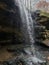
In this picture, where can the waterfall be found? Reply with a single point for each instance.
(27, 24)
(27, 30)
(27, 27)
(21, 22)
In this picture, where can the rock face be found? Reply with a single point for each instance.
(10, 27)
(41, 27)
(10, 21)
(9, 14)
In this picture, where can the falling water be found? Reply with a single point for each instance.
(27, 28)
(27, 24)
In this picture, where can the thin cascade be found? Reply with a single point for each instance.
(27, 25)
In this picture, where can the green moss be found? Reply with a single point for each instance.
(42, 13)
